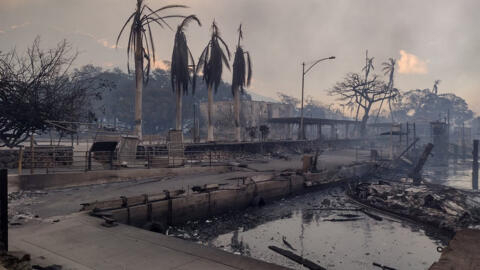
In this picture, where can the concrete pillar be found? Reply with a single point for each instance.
(332, 132)
(319, 131)
(347, 126)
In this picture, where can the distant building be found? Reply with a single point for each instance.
(252, 114)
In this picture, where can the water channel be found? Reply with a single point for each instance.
(300, 225)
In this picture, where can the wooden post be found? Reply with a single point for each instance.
(4, 210)
(210, 157)
(475, 165)
(148, 159)
(408, 134)
(32, 155)
(20, 160)
(55, 158)
(401, 129)
(414, 135)
(89, 161)
(415, 174)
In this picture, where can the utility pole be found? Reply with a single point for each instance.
(301, 131)
(475, 165)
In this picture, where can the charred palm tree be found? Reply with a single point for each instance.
(242, 75)
(435, 86)
(140, 43)
(181, 69)
(389, 70)
(211, 62)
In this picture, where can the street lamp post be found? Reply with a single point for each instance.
(302, 130)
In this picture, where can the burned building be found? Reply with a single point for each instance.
(253, 114)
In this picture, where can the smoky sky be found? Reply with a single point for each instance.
(431, 39)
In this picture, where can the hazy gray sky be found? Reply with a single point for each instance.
(431, 39)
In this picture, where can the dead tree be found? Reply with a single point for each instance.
(355, 91)
(38, 86)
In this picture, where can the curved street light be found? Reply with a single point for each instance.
(304, 72)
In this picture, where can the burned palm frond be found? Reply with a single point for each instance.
(213, 59)
(242, 69)
(389, 70)
(140, 40)
(181, 56)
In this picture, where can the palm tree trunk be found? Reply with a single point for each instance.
(236, 108)
(210, 120)
(139, 86)
(178, 123)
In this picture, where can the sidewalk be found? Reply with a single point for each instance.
(78, 241)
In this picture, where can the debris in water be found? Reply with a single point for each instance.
(384, 267)
(378, 218)
(284, 239)
(348, 215)
(294, 257)
(342, 219)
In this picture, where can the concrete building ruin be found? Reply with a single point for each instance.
(252, 114)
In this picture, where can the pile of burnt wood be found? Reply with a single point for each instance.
(443, 207)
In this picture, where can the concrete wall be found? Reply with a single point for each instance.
(259, 188)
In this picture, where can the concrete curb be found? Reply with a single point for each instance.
(75, 179)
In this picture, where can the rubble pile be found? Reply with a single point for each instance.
(19, 203)
(443, 207)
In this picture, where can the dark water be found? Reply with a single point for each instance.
(333, 245)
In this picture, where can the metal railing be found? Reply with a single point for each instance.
(69, 161)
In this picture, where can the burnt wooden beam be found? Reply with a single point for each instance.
(415, 174)
(296, 258)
